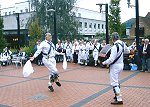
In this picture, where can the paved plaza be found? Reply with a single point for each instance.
(81, 86)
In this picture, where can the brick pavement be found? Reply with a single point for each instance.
(81, 86)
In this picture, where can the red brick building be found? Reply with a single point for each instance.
(144, 26)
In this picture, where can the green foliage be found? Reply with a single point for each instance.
(147, 37)
(123, 30)
(29, 50)
(66, 23)
(35, 30)
(13, 50)
(3, 42)
(100, 36)
(114, 16)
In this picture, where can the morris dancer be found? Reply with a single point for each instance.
(49, 52)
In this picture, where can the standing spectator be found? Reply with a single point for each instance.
(75, 51)
(141, 44)
(116, 65)
(146, 56)
(96, 52)
(81, 53)
(103, 44)
(69, 51)
(87, 52)
(38, 60)
(59, 48)
(63, 46)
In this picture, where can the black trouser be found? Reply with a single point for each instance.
(75, 57)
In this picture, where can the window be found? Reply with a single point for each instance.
(85, 24)
(80, 24)
(94, 25)
(79, 14)
(5, 13)
(90, 25)
(102, 26)
(26, 10)
(21, 11)
(98, 26)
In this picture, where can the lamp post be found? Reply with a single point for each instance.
(55, 34)
(106, 13)
(18, 26)
(137, 22)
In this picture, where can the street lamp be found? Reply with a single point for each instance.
(18, 26)
(106, 13)
(137, 22)
(55, 34)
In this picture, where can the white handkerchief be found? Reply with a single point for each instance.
(64, 63)
(27, 69)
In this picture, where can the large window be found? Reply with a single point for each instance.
(90, 25)
(21, 11)
(102, 26)
(94, 25)
(26, 10)
(80, 24)
(98, 26)
(5, 13)
(85, 25)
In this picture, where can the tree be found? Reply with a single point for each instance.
(65, 19)
(114, 17)
(101, 36)
(123, 30)
(35, 30)
(3, 42)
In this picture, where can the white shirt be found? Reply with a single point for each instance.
(145, 47)
(74, 48)
(114, 54)
(45, 47)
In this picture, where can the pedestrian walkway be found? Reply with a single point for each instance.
(81, 86)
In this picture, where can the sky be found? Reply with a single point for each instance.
(126, 13)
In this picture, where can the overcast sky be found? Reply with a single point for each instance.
(126, 13)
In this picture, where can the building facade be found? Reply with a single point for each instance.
(91, 22)
(144, 26)
(21, 7)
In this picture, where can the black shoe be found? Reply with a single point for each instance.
(58, 83)
(51, 88)
(117, 102)
(115, 98)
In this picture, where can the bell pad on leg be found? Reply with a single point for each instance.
(54, 77)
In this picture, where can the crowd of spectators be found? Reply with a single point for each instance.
(87, 53)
